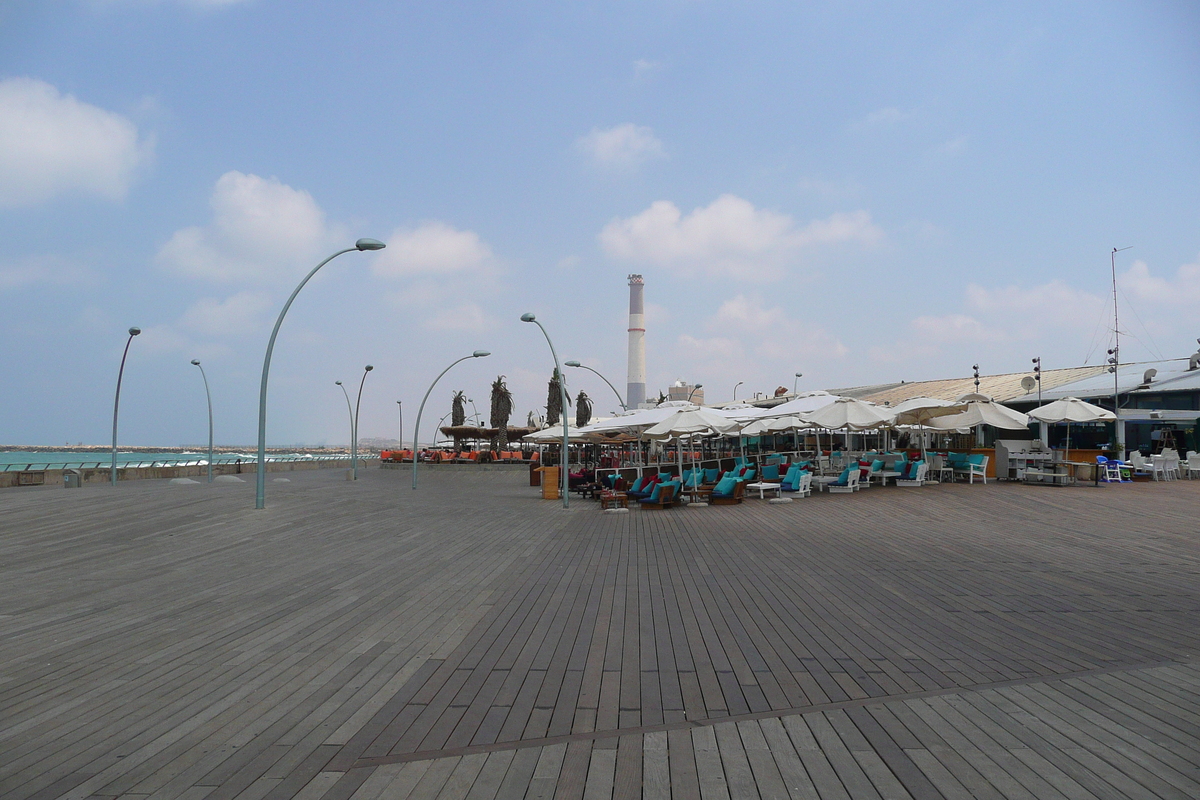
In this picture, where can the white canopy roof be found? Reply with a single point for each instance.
(803, 404)
(1072, 409)
(981, 410)
(919, 410)
(849, 413)
(692, 422)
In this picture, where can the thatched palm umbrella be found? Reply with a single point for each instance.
(583, 410)
(554, 402)
(502, 408)
(458, 415)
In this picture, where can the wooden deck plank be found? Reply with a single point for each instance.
(179, 643)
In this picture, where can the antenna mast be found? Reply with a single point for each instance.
(1114, 359)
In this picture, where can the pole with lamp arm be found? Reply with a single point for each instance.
(260, 487)
(566, 406)
(421, 410)
(208, 395)
(796, 383)
(735, 388)
(349, 414)
(400, 424)
(606, 380)
(354, 444)
(1115, 360)
(117, 403)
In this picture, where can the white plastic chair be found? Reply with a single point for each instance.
(1193, 465)
(804, 488)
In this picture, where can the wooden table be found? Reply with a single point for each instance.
(620, 499)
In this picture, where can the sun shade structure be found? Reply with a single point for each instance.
(1071, 409)
(692, 422)
(847, 413)
(920, 410)
(981, 410)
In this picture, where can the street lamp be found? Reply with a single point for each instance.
(796, 382)
(1037, 376)
(400, 424)
(260, 494)
(349, 414)
(196, 362)
(357, 403)
(562, 387)
(417, 427)
(739, 383)
(693, 391)
(117, 402)
(606, 380)
(976, 368)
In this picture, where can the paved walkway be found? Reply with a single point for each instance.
(469, 640)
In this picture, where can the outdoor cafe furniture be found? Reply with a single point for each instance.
(970, 465)
(727, 495)
(763, 487)
(847, 482)
(918, 475)
(611, 499)
(1193, 465)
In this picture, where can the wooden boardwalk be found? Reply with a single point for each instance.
(469, 640)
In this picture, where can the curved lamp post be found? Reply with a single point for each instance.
(566, 409)
(693, 391)
(606, 380)
(350, 414)
(357, 403)
(417, 427)
(208, 395)
(739, 383)
(117, 402)
(796, 382)
(260, 495)
(400, 423)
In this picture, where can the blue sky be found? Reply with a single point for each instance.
(860, 192)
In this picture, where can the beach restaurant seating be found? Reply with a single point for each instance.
(728, 491)
(1110, 470)
(847, 482)
(914, 475)
(969, 465)
(798, 481)
(665, 495)
(1193, 464)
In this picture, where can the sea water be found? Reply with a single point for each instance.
(50, 459)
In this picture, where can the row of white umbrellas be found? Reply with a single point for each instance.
(819, 410)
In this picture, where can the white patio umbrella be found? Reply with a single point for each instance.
(920, 410)
(848, 414)
(1071, 409)
(981, 410)
(691, 422)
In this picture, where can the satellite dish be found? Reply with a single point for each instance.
(1028, 383)
(1149, 375)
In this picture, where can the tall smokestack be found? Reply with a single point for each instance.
(635, 393)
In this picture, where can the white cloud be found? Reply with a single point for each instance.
(465, 317)
(44, 269)
(261, 229)
(729, 236)
(884, 116)
(230, 317)
(54, 145)
(1152, 292)
(432, 248)
(624, 146)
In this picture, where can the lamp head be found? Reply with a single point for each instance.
(134, 331)
(572, 364)
(195, 362)
(527, 317)
(369, 244)
(480, 354)
(337, 383)
(368, 368)
(698, 386)
(799, 374)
